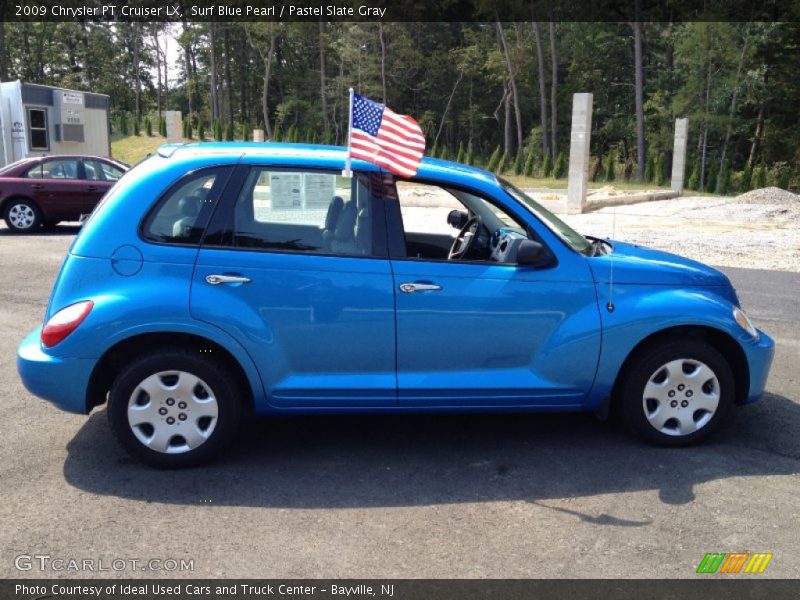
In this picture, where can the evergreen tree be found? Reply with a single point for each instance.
(711, 181)
(560, 168)
(724, 179)
(493, 160)
(470, 155)
(277, 134)
(610, 167)
(694, 178)
(518, 164)
(661, 170)
(649, 170)
(501, 164)
(123, 124)
(162, 127)
(547, 169)
(148, 127)
(434, 153)
(245, 132)
(746, 182)
(760, 180)
(229, 131)
(136, 127)
(218, 131)
(201, 131)
(443, 154)
(460, 154)
(189, 132)
(783, 179)
(530, 163)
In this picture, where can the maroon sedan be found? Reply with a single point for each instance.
(47, 189)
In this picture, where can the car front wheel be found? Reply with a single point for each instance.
(22, 216)
(174, 408)
(677, 393)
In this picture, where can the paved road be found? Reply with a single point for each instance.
(445, 496)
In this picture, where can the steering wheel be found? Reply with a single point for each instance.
(465, 238)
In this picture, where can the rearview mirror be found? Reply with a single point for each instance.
(532, 253)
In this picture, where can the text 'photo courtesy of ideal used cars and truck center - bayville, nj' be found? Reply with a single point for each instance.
(371, 300)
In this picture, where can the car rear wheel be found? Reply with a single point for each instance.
(677, 393)
(174, 408)
(22, 216)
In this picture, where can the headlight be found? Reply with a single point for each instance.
(744, 322)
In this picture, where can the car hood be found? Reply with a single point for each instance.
(638, 265)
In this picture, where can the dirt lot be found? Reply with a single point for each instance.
(759, 230)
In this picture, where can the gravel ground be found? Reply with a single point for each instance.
(759, 229)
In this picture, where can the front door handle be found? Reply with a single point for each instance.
(410, 288)
(217, 279)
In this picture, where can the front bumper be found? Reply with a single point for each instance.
(759, 360)
(62, 381)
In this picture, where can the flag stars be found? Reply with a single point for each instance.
(367, 115)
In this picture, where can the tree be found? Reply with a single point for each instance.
(694, 179)
(641, 152)
(537, 33)
(258, 34)
(460, 155)
(547, 169)
(610, 174)
(724, 179)
(560, 168)
(649, 170)
(553, 89)
(229, 131)
(493, 160)
(201, 131)
(148, 127)
(517, 166)
(501, 164)
(217, 131)
(530, 163)
(470, 155)
(711, 183)
(760, 180)
(661, 170)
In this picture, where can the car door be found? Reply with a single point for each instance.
(60, 191)
(295, 267)
(478, 333)
(96, 184)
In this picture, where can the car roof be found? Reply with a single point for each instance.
(308, 154)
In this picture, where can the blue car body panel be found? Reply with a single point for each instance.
(315, 333)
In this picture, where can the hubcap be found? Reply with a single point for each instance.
(21, 216)
(681, 397)
(172, 412)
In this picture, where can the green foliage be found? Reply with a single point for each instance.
(470, 155)
(136, 127)
(711, 181)
(784, 179)
(547, 169)
(123, 124)
(229, 131)
(443, 154)
(560, 168)
(530, 164)
(434, 152)
(493, 159)
(502, 163)
(694, 178)
(217, 131)
(746, 179)
(517, 167)
(610, 167)
(189, 133)
(277, 134)
(201, 131)
(460, 154)
(162, 127)
(649, 169)
(724, 179)
(244, 132)
(148, 127)
(760, 180)
(661, 170)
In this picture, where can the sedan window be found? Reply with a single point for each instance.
(60, 169)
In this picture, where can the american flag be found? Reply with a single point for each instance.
(384, 138)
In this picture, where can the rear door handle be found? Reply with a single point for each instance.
(410, 288)
(92, 188)
(37, 186)
(217, 279)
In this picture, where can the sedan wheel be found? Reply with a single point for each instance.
(174, 408)
(22, 216)
(677, 392)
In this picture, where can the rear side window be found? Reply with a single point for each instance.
(181, 215)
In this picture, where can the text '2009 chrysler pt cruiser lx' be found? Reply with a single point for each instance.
(218, 280)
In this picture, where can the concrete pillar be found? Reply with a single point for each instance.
(258, 135)
(679, 154)
(579, 152)
(174, 126)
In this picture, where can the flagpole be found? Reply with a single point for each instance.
(347, 172)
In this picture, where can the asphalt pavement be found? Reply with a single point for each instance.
(411, 496)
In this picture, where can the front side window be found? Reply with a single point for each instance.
(179, 218)
(443, 223)
(60, 168)
(303, 211)
(38, 136)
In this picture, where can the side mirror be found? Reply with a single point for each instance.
(532, 253)
(457, 218)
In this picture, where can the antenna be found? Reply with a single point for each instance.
(610, 304)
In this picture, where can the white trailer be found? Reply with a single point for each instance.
(38, 119)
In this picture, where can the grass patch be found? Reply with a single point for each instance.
(134, 148)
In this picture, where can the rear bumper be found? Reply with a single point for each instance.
(759, 360)
(62, 381)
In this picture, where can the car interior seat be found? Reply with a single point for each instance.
(189, 208)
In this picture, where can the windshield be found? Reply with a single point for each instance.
(568, 235)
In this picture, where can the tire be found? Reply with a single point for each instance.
(668, 394)
(22, 216)
(191, 413)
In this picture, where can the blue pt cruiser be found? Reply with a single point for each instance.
(220, 280)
